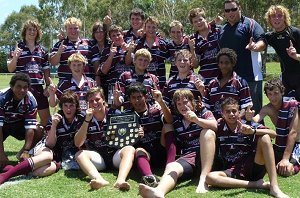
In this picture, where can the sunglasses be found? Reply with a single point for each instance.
(231, 9)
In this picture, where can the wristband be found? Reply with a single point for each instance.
(254, 132)
(86, 121)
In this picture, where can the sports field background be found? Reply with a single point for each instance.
(75, 183)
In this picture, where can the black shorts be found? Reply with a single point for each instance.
(191, 165)
(38, 93)
(17, 130)
(158, 155)
(107, 154)
(247, 170)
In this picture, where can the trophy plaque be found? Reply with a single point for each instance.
(122, 130)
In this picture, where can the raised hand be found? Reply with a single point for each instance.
(56, 118)
(17, 52)
(61, 47)
(52, 87)
(61, 35)
(131, 46)
(156, 93)
(191, 43)
(246, 129)
(113, 49)
(107, 20)
(292, 52)
(190, 115)
(199, 85)
(89, 114)
(251, 45)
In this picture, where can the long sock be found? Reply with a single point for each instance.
(22, 168)
(170, 147)
(7, 168)
(143, 165)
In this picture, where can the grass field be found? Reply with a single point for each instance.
(74, 183)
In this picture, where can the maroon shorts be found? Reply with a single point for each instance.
(38, 93)
(247, 170)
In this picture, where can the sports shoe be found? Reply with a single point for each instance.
(150, 180)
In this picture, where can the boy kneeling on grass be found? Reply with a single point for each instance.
(246, 151)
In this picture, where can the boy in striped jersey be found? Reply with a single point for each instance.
(246, 151)
(283, 112)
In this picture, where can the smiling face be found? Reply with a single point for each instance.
(136, 22)
(230, 113)
(183, 64)
(176, 34)
(138, 102)
(277, 21)
(31, 33)
(199, 23)
(141, 63)
(117, 38)
(96, 102)
(150, 29)
(73, 31)
(225, 65)
(232, 12)
(20, 89)
(77, 68)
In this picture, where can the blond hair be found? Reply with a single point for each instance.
(272, 10)
(35, 24)
(176, 23)
(152, 19)
(144, 53)
(72, 21)
(77, 57)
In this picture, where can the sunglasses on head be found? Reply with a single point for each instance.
(231, 9)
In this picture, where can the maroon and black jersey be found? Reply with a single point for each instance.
(159, 53)
(172, 47)
(71, 84)
(206, 50)
(175, 83)
(234, 146)
(236, 87)
(65, 133)
(284, 118)
(82, 46)
(188, 138)
(150, 82)
(33, 63)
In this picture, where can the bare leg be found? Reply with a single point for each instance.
(83, 158)
(265, 155)
(127, 157)
(168, 181)
(220, 179)
(46, 170)
(207, 152)
(44, 115)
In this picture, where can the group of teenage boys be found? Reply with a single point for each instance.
(191, 124)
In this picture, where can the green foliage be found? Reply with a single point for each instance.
(3, 59)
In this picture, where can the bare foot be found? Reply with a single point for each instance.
(149, 192)
(262, 184)
(276, 192)
(202, 187)
(124, 186)
(97, 183)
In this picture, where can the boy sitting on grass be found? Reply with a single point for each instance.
(284, 114)
(246, 151)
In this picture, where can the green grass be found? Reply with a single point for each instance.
(74, 183)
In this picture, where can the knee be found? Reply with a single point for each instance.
(140, 152)
(265, 139)
(128, 151)
(211, 178)
(79, 155)
(208, 135)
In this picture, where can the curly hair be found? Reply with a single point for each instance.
(230, 53)
(273, 9)
(272, 84)
(35, 24)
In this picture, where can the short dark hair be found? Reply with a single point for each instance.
(237, 2)
(69, 97)
(20, 76)
(99, 25)
(229, 101)
(136, 87)
(230, 53)
(272, 84)
(137, 12)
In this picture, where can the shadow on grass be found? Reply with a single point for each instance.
(229, 192)
(76, 174)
